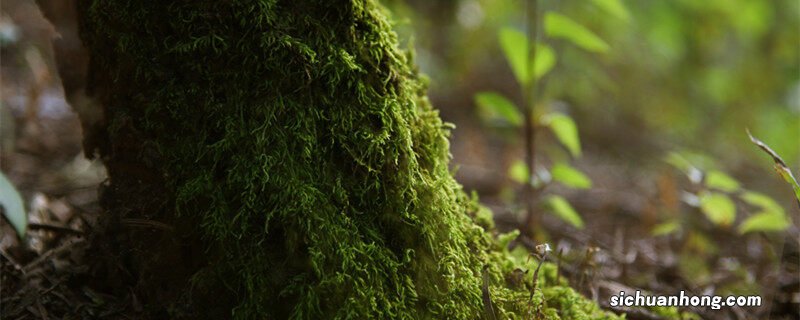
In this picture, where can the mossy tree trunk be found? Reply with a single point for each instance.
(279, 159)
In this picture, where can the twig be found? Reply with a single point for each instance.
(50, 253)
(42, 312)
(52, 227)
(541, 254)
(487, 297)
(12, 260)
(147, 223)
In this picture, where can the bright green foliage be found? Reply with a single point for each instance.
(680, 162)
(495, 106)
(565, 130)
(11, 203)
(545, 60)
(721, 181)
(615, 8)
(299, 139)
(762, 201)
(769, 217)
(559, 26)
(765, 221)
(562, 209)
(570, 176)
(718, 208)
(515, 47)
(519, 172)
(666, 228)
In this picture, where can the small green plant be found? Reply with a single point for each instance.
(530, 61)
(11, 203)
(716, 193)
(724, 209)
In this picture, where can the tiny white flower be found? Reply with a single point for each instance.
(543, 249)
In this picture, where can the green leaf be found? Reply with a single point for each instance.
(718, 208)
(518, 171)
(515, 46)
(665, 228)
(559, 26)
(787, 176)
(562, 209)
(721, 181)
(570, 176)
(679, 162)
(780, 166)
(13, 209)
(565, 130)
(493, 106)
(764, 221)
(762, 201)
(771, 216)
(545, 60)
(615, 8)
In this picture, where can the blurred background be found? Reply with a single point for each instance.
(661, 94)
(645, 176)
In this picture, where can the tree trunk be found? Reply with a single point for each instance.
(279, 159)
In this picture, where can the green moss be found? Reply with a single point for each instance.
(297, 138)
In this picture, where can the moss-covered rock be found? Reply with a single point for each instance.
(294, 143)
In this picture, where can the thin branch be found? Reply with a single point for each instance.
(53, 227)
(529, 97)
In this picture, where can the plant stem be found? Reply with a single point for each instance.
(528, 94)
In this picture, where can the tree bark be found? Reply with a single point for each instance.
(279, 159)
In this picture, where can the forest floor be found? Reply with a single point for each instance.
(47, 275)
